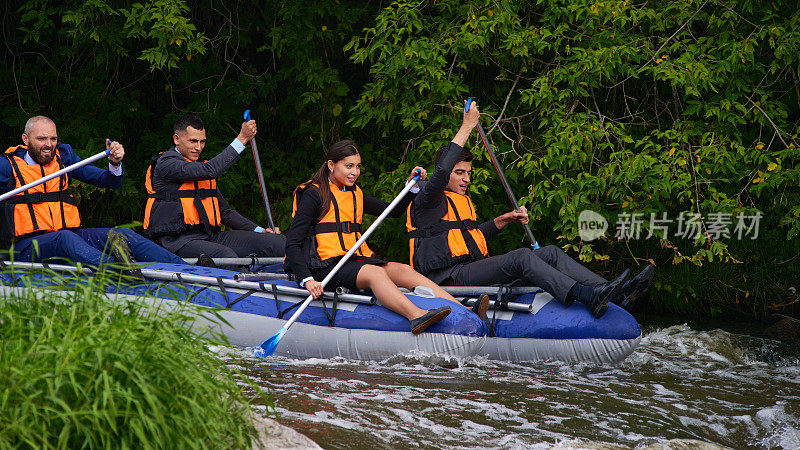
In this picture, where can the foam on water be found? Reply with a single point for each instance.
(714, 386)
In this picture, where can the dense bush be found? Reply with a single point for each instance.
(620, 107)
(82, 371)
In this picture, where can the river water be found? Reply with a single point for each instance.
(681, 383)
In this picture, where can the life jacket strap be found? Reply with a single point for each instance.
(339, 227)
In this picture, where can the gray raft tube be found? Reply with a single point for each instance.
(340, 293)
(167, 275)
(452, 290)
(241, 261)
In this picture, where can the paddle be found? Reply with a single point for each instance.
(267, 348)
(499, 169)
(57, 174)
(260, 176)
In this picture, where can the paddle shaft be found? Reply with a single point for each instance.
(503, 179)
(261, 182)
(260, 176)
(57, 174)
(355, 247)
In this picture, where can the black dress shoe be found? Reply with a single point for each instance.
(419, 324)
(481, 306)
(602, 293)
(635, 287)
(205, 261)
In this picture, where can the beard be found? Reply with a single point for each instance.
(38, 155)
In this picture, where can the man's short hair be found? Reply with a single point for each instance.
(466, 155)
(32, 121)
(189, 120)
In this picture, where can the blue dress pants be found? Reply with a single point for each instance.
(87, 245)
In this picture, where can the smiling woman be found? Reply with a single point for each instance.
(326, 226)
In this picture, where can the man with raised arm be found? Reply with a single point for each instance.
(44, 222)
(185, 210)
(448, 245)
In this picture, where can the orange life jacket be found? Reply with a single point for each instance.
(43, 208)
(456, 239)
(338, 230)
(193, 206)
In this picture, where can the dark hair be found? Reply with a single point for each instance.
(466, 155)
(189, 120)
(336, 153)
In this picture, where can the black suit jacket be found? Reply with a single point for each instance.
(173, 170)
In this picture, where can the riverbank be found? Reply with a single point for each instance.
(271, 435)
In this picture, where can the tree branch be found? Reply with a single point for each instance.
(778, 131)
(505, 105)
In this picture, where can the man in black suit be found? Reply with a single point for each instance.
(185, 210)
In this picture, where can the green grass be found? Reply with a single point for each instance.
(82, 371)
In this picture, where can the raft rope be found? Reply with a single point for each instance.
(194, 292)
(224, 292)
(334, 308)
(500, 303)
(242, 297)
(277, 307)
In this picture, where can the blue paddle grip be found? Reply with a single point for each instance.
(466, 107)
(247, 115)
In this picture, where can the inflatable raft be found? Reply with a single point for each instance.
(524, 324)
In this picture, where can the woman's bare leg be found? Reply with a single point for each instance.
(376, 279)
(404, 276)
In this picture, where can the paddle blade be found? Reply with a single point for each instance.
(267, 348)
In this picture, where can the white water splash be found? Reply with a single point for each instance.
(714, 386)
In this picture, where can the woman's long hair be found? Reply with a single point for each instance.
(336, 153)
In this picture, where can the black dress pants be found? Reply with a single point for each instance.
(235, 244)
(548, 268)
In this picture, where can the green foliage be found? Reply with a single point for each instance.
(653, 108)
(83, 371)
(614, 106)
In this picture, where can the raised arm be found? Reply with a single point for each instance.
(431, 192)
(176, 168)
